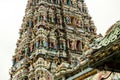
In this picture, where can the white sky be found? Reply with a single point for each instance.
(103, 12)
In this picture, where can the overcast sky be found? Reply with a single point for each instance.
(104, 13)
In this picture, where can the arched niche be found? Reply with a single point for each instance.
(43, 74)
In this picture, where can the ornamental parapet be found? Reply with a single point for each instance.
(112, 35)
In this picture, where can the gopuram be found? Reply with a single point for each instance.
(55, 42)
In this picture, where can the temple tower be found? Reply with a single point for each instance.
(54, 36)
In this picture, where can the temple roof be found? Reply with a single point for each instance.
(107, 57)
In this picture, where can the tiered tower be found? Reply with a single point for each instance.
(54, 38)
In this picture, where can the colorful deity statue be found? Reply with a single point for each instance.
(79, 23)
(73, 2)
(45, 43)
(73, 45)
(80, 6)
(53, 67)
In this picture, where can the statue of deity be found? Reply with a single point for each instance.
(78, 23)
(45, 43)
(53, 67)
(73, 47)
